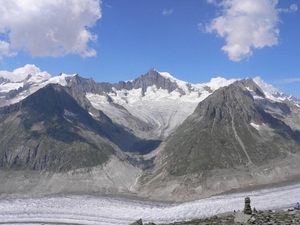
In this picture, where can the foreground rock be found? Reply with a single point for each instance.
(247, 216)
(140, 222)
(266, 217)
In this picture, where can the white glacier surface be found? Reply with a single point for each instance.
(85, 209)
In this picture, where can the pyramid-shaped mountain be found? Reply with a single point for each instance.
(228, 130)
(228, 142)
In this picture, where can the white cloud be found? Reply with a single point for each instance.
(21, 73)
(200, 27)
(49, 27)
(167, 12)
(5, 49)
(293, 8)
(246, 25)
(214, 2)
(268, 88)
(289, 80)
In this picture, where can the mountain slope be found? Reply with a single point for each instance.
(49, 130)
(228, 142)
(49, 144)
(228, 130)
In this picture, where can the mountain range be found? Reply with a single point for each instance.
(155, 137)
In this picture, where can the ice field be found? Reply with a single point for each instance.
(85, 209)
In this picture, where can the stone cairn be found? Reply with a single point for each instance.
(247, 208)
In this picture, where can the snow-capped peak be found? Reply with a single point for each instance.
(62, 79)
(26, 80)
(214, 84)
(167, 75)
(181, 84)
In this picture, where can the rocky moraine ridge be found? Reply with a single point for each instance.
(266, 217)
(155, 137)
(247, 216)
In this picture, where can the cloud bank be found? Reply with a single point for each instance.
(246, 25)
(289, 80)
(21, 73)
(48, 28)
(167, 12)
(264, 86)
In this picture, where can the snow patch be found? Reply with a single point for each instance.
(68, 113)
(5, 88)
(60, 79)
(181, 84)
(272, 97)
(256, 126)
(254, 95)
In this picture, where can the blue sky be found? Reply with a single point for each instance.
(194, 40)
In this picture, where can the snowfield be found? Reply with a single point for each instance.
(84, 209)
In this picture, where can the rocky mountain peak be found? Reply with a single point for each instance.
(153, 77)
(48, 101)
(252, 86)
(83, 84)
(226, 130)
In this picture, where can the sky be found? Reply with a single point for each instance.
(113, 40)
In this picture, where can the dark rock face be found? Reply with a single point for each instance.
(152, 77)
(44, 131)
(138, 222)
(252, 86)
(84, 85)
(219, 134)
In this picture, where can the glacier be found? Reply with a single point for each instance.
(88, 209)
